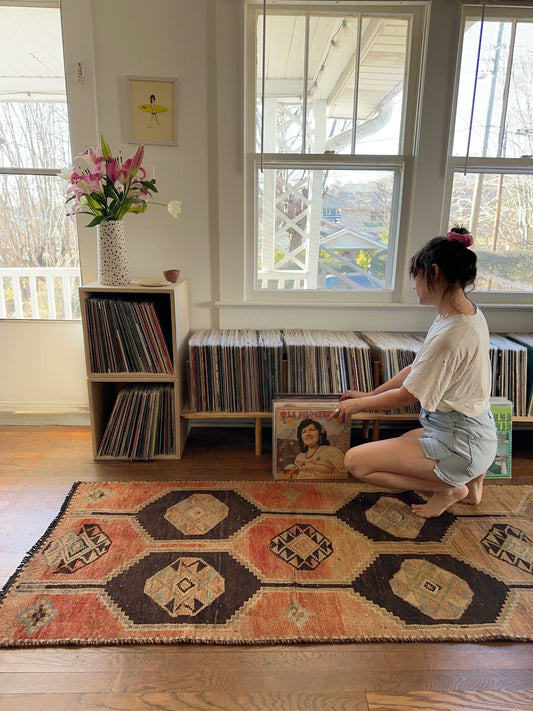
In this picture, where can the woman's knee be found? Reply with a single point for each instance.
(353, 461)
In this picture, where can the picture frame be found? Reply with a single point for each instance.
(297, 457)
(153, 110)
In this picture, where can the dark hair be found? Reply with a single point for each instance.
(451, 254)
(323, 438)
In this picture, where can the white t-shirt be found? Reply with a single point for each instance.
(452, 370)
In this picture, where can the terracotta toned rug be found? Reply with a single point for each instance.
(272, 562)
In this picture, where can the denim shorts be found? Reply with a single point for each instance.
(462, 447)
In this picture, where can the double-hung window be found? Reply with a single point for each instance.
(331, 97)
(490, 177)
(39, 258)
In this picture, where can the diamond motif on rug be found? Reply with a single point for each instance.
(302, 546)
(185, 587)
(298, 615)
(197, 514)
(427, 589)
(215, 514)
(387, 517)
(101, 493)
(394, 517)
(511, 545)
(75, 550)
(37, 616)
(162, 588)
(434, 591)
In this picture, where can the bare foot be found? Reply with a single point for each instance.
(475, 491)
(440, 501)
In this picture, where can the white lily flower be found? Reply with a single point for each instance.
(174, 207)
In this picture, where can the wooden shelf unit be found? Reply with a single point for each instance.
(171, 306)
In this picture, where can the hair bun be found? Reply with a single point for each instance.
(464, 238)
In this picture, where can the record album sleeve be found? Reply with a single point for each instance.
(305, 444)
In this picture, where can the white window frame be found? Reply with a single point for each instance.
(402, 163)
(478, 164)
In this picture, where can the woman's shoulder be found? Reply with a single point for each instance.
(462, 332)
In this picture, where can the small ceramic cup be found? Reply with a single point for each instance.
(172, 275)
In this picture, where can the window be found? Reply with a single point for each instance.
(39, 260)
(491, 168)
(330, 133)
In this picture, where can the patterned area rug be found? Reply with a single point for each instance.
(272, 562)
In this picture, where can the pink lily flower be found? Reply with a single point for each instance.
(113, 169)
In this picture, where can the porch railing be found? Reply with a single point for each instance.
(40, 293)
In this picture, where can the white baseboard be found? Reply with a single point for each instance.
(40, 414)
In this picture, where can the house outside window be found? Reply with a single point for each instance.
(39, 258)
(490, 176)
(330, 134)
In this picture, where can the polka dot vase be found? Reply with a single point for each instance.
(112, 255)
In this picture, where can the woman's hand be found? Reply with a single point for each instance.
(346, 408)
(351, 394)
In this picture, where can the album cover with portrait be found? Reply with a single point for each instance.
(305, 445)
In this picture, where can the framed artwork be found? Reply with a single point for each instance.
(305, 444)
(153, 110)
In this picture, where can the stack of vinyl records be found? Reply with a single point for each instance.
(141, 425)
(235, 370)
(270, 373)
(509, 372)
(325, 362)
(394, 352)
(126, 337)
(526, 339)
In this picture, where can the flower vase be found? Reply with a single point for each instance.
(113, 267)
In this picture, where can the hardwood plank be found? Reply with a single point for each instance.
(479, 656)
(197, 675)
(482, 700)
(155, 659)
(202, 701)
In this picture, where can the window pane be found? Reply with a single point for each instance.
(499, 211)
(340, 58)
(39, 259)
(324, 229)
(502, 124)
(381, 85)
(519, 120)
(34, 135)
(284, 78)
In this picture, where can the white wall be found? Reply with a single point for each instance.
(200, 42)
(168, 38)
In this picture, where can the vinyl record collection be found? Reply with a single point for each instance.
(126, 337)
(526, 340)
(241, 370)
(141, 424)
(509, 372)
(326, 361)
(394, 352)
(235, 370)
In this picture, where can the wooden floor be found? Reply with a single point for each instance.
(38, 466)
